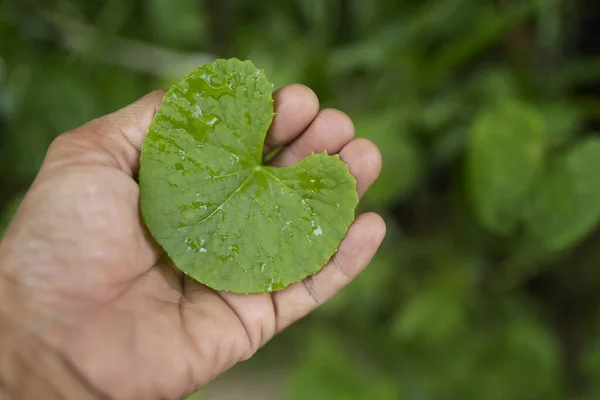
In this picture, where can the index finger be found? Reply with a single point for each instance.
(296, 106)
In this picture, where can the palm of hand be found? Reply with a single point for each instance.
(104, 294)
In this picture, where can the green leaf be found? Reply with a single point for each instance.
(504, 162)
(567, 205)
(225, 219)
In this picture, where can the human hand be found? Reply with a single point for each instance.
(80, 274)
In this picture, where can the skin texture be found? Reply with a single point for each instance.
(83, 283)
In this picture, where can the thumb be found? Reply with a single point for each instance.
(113, 140)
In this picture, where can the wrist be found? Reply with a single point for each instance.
(29, 367)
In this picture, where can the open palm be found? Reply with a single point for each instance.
(94, 285)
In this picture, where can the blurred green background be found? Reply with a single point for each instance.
(488, 284)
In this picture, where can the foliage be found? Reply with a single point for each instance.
(206, 195)
(567, 204)
(505, 159)
(485, 112)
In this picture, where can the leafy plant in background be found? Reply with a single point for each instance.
(485, 111)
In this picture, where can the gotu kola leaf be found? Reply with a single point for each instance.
(223, 217)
